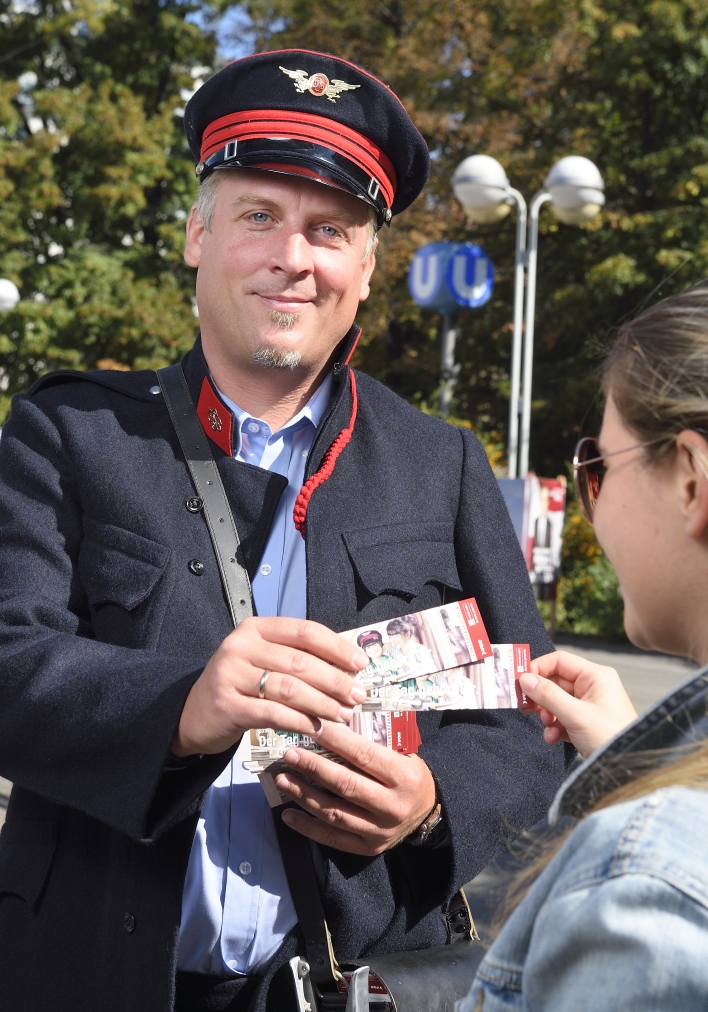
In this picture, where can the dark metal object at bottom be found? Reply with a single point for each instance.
(423, 980)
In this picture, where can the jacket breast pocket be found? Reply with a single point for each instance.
(26, 854)
(412, 562)
(124, 577)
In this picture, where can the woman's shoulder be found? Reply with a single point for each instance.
(660, 834)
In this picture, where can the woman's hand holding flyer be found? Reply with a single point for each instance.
(580, 702)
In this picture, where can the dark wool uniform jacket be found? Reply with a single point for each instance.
(104, 628)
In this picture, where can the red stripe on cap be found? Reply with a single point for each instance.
(283, 123)
(325, 472)
(215, 418)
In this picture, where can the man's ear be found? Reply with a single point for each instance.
(366, 276)
(195, 235)
(692, 473)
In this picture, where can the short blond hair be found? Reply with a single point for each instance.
(205, 205)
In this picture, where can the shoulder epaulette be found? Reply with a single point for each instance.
(131, 384)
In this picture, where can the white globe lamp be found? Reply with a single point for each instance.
(481, 186)
(576, 189)
(9, 295)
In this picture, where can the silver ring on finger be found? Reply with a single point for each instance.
(262, 685)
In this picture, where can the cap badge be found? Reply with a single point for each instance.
(214, 419)
(318, 84)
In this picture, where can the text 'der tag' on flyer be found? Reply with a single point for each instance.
(438, 659)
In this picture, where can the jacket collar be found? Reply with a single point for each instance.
(679, 717)
(217, 418)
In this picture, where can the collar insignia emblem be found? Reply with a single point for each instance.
(214, 419)
(318, 84)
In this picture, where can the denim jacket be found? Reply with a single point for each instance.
(619, 918)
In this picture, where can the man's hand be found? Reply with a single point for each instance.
(302, 686)
(581, 702)
(373, 809)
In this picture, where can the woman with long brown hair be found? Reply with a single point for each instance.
(618, 917)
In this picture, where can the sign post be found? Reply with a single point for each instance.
(449, 276)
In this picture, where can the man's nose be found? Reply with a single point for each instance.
(293, 255)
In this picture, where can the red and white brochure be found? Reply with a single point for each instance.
(475, 627)
(522, 666)
(437, 659)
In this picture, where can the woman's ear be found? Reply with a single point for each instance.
(692, 473)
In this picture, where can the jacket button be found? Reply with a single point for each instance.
(129, 923)
(196, 567)
(194, 504)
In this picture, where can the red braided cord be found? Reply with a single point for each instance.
(325, 472)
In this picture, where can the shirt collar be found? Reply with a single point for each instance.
(312, 411)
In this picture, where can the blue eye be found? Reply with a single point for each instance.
(328, 230)
(260, 217)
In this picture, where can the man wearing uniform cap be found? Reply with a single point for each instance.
(139, 863)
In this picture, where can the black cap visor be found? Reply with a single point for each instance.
(287, 155)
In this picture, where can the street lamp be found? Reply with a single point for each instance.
(574, 188)
(9, 295)
(481, 186)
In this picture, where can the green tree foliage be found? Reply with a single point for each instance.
(95, 181)
(623, 82)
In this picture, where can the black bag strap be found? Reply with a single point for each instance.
(294, 848)
(209, 487)
(305, 892)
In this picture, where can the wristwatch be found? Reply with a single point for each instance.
(422, 834)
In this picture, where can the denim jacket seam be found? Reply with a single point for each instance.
(688, 885)
(500, 976)
(625, 851)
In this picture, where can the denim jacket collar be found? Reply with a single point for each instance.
(678, 718)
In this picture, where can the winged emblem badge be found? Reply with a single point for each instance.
(318, 84)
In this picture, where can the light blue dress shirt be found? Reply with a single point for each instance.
(236, 905)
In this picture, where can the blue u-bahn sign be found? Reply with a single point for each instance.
(448, 275)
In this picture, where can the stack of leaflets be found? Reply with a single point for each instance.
(439, 659)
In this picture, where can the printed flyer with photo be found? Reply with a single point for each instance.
(438, 659)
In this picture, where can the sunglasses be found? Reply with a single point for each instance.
(589, 469)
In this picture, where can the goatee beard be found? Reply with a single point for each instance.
(275, 358)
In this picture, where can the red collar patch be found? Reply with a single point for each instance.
(215, 418)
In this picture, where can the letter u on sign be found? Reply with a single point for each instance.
(470, 276)
(425, 276)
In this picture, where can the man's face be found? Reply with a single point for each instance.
(280, 273)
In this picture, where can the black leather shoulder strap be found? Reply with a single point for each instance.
(209, 487)
(305, 892)
(297, 857)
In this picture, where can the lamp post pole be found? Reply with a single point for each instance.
(518, 332)
(537, 203)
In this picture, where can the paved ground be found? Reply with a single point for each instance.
(645, 676)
